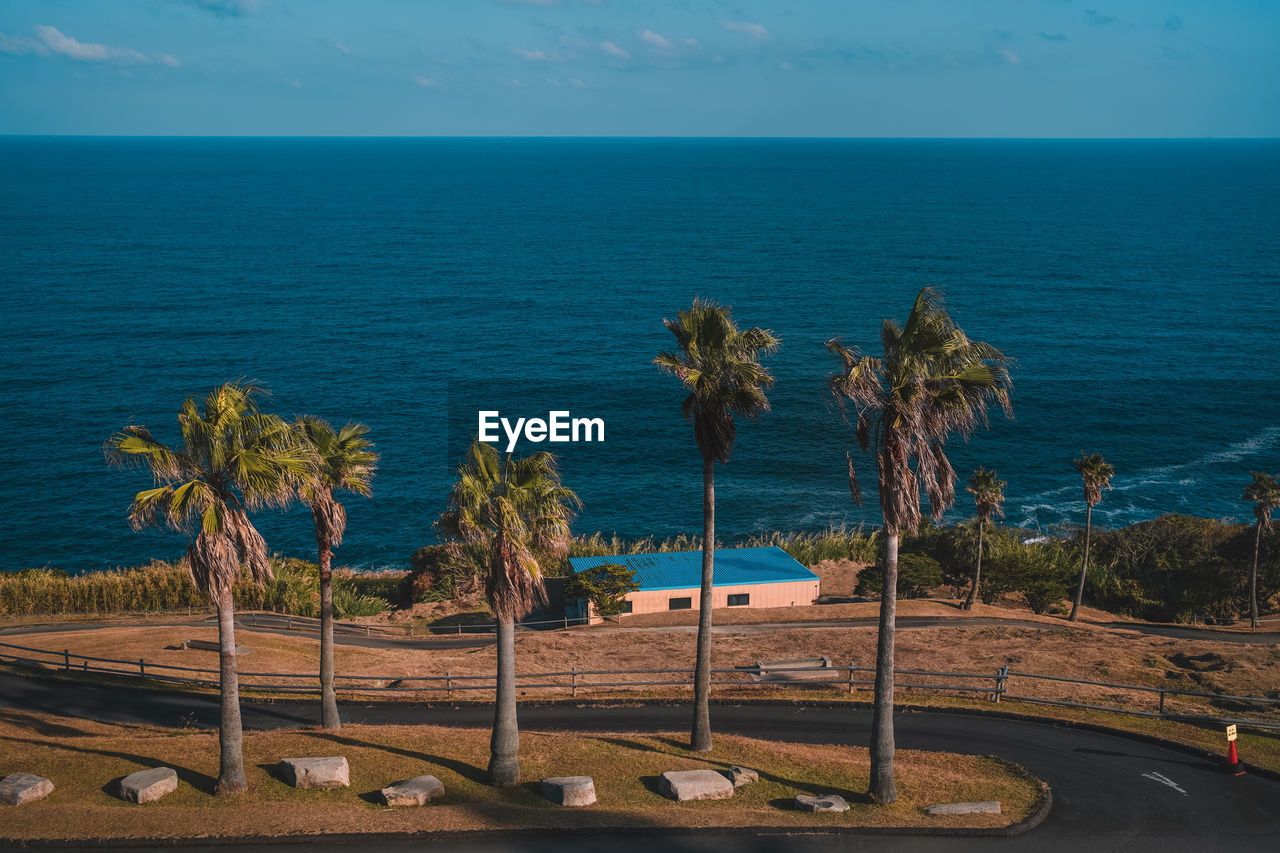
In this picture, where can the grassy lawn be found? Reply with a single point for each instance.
(83, 759)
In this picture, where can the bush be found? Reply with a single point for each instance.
(1038, 572)
(917, 574)
(605, 586)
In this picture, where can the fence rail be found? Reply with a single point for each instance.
(994, 685)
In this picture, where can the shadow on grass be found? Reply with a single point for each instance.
(466, 771)
(199, 781)
(677, 749)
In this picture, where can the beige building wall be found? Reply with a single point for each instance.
(786, 594)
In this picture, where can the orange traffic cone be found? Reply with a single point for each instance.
(1234, 765)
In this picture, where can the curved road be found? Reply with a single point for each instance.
(1111, 793)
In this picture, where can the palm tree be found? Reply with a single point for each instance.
(931, 382)
(342, 460)
(988, 499)
(720, 367)
(1264, 491)
(233, 459)
(1097, 474)
(515, 508)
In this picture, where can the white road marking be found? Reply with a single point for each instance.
(1164, 780)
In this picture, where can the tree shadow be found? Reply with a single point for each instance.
(455, 621)
(466, 771)
(199, 781)
(679, 750)
(42, 727)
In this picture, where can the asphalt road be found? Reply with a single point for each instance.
(1111, 793)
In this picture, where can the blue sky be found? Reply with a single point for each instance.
(928, 68)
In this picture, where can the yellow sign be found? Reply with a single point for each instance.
(1231, 732)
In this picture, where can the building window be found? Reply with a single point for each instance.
(626, 606)
(679, 603)
(740, 599)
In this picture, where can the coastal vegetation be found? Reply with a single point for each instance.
(988, 499)
(511, 508)
(931, 382)
(1264, 493)
(720, 367)
(1096, 473)
(336, 460)
(234, 458)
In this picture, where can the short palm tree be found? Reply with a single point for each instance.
(341, 460)
(233, 459)
(988, 499)
(1264, 492)
(1096, 473)
(720, 367)
(932, 381)
(515, 508)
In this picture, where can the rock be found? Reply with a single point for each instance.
(570, 790)
(147, 786)
(17, 789)
(740, 776)
(992, 807)
(682, 785)
(417, 791)
(824, 803)
(316, 772)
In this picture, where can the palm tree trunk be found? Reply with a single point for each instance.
(329, 718)
(504, 746)
(231, 779)
(700, 740)
(883, 789)
(977, 571)
(1084, 566)
(1253, 579)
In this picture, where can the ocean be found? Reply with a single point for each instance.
(407, 283)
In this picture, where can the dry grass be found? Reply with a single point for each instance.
(1078, 651)
(84, 758)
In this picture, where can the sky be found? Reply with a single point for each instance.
(826, 68)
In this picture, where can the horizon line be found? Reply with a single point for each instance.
(87, 135)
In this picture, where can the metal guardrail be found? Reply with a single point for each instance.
(573, 680)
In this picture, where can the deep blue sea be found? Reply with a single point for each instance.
(407, 282)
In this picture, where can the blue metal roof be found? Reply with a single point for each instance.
(683, 569)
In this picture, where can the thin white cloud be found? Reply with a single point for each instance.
(231, 8)
(531, 55)
(613, 50)
(21, 45)
(650, 37)
(295, 83)
(749, 28)
(55, 41)
(576, 83)
(341, 48)
(1011, 57)
(425, 82)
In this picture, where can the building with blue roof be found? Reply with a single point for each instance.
(744, 577)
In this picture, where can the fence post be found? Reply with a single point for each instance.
(288, 621)
(66, 659)
(851, 665)
(142, 668)
(448, 683)
(1162, 702)
(366, 630)
(459, 629)
(573, 681)
(566, 622)
(1002, 678)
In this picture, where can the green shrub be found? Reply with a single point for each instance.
(917, 574)
(605, 586)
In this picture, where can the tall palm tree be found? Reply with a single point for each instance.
(514, 508)
(988, 499)
(1264, 491)
(931, 382)
(336, 460)
(233, 459)
(720, 367)
(1096, 473)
